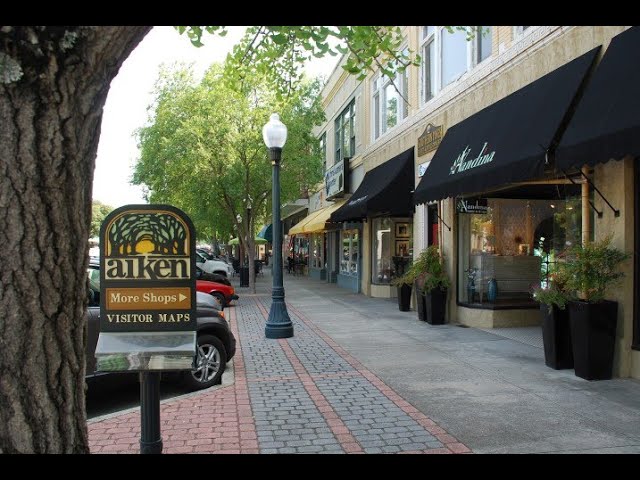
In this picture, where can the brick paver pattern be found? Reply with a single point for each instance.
(304, 394)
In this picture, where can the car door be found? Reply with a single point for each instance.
(93, 318)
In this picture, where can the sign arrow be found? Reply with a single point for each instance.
(181, 297)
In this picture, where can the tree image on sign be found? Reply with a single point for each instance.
(146, 234)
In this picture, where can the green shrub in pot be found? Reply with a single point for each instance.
(592, 270)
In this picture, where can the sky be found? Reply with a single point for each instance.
(130, 94)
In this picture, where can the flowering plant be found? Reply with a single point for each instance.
(471, 275)
(555, 291)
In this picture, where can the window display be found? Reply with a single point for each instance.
(392, 249)
(506, 252)
(350, 252)
(318, 250)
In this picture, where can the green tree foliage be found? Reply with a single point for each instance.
(98, 213)
(203, 149)
(278, 52)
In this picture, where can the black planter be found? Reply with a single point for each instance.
(420, 304)
(404, 298)
(436, 306)
(593, 334)
(556, 337)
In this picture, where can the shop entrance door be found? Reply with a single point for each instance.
(432, 222)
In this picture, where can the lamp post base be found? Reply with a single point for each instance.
(278, 324)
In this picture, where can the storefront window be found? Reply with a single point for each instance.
(350, 246)
(509, 247)
(299, 250)
(392, 249)
(317, 259)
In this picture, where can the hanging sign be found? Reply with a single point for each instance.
(430, 139)
(477, 205)
(335, 179)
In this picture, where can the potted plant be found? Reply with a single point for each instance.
(556, 331)
(404, 284)
(591, 270)
(420, 297)
(435, 284)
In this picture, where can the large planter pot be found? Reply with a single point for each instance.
(556, 337)
(436, 306)
(404, 298)
(593, 334)
(420, 304)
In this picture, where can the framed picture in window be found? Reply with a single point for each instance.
(402, 248)
(402, 230)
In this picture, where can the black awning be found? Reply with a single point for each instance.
(606, 124)
(385, 190)
(508, 140)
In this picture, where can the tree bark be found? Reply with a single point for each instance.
(49, 130)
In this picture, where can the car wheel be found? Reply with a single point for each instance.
(211, 361)
(220, 298)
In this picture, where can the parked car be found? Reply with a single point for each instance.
(223, 293)
(216, 342)
(211, 277)
(213, 266)
(205, 253)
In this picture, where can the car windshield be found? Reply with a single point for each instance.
(94, 278)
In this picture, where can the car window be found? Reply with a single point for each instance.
(94, 286)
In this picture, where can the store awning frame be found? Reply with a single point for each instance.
(510, 140)
(385, 190)
(257, 241)
(606, 123)
(316, 221)
(266, 232)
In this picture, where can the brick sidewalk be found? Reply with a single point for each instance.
(300, 395)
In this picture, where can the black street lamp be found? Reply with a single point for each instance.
(249, 202)
(240, 253)
(279, 324)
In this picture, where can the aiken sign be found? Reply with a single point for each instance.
(461, 163)
(147, 269)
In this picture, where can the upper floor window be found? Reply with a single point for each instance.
(323, 151)
(446, 56)
(484, 43)
(521, 30)
(389, 102)
(453, 55)
(346, 133)
(428, 51)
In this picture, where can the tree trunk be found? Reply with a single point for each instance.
(252, 264)
(49, 130)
